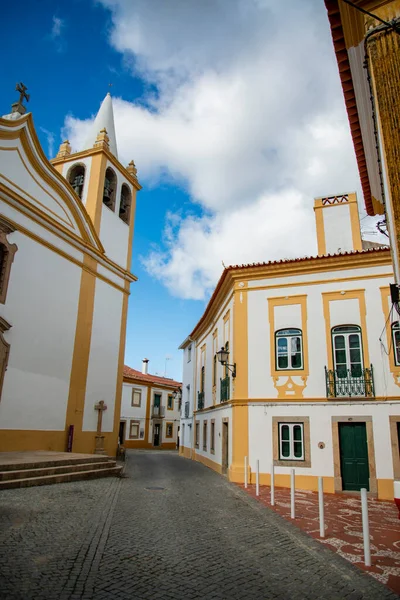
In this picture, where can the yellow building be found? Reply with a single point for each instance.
(150, 410)
(366, 38)
(66, 232)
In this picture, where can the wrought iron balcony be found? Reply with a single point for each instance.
(225, 389)
(348, 383)
(200, 400)
(187, 409)
(157, 411)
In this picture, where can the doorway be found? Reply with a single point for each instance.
(121, 434)
(354, 456)
(225, 447)
(157, 434)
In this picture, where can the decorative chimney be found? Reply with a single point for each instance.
(145, 366)
(338, 224)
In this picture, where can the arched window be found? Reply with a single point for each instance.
(76, 177)
(347, 351)
(289, 349)
(396, 342)
(125, 204)
(110, 186)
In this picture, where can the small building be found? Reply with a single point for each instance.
(66, 232)
(150, 410)
(311, 379)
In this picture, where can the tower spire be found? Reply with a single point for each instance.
(104, 120)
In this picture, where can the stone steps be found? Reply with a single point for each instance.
(59, 471)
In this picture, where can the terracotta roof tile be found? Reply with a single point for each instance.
(165, 381)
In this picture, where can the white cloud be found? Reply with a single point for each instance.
(249, 116)
(57, 26)
(50, 141)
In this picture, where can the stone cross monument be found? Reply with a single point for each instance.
(100, 407)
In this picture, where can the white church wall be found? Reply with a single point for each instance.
(41, 306)
(114, 235)
(104, 354)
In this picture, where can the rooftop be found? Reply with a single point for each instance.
(138, 375)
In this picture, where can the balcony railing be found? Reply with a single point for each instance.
(225, 389)
(200, 400)
(350, 384)
(157, 411)
(187, 409)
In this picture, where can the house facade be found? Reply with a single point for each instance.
(150, 410)
(312, 380)
(66, 232)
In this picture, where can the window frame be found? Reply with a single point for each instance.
(212, 436)
(395, 328)
(170, 397)
(296, 333)
(139, 391)
(205, 435)
(134, 422)
(291, 440)
(169, 424)
(125, 219)
(9, 252)
(197, 434)
(339, 330)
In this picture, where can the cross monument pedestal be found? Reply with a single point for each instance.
(99, 444)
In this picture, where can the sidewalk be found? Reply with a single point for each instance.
(343, 528)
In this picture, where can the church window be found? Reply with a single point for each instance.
(396, 342)
(76, 178)
(110, 185)
(125, 204)
(288, 349)
(7, 251)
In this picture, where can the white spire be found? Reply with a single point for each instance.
(104, 120)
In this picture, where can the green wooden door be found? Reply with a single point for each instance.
(354, 456)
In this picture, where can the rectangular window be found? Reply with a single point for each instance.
(157, 399)
(212, 437)
(169, 430)
(291, 441)
(170, 402)
(205, 435)
(136, 397)
(289, 351)
(134, 430)
(196, 434)
(189, 353)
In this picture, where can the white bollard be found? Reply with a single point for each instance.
(321, 507)
(245, 471)
(272, 485)
(292, 508)
(257, 477)
(365, 526)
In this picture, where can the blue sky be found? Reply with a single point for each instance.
(235, 122)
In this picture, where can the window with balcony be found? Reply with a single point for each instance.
(349, 377)
(288, 349)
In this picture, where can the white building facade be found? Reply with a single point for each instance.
(315, 344)
(150, 410)
(66, 241)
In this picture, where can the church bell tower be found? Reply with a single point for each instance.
(105, 187)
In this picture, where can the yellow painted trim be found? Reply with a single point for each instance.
(185, 452)
(120, 372)
(239, 440)
(355, 222)
(302, 482)
(240, 342)
(324, 281)
(166, 427)
(349, 295)
(211, 464)
(21, 440)
(385, 489)
(94, 200)
(80, 359)
(320, 227)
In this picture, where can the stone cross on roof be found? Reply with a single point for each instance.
(18, 107)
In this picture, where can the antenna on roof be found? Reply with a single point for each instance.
(223, 264)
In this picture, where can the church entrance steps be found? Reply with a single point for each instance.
(27, 469)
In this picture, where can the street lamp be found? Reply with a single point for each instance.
(223, 356)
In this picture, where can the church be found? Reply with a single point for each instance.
(66, 233)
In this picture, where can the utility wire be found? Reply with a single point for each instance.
(366, 12)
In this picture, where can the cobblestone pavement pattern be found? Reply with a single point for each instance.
(198, 537)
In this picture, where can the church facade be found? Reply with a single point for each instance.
(66, 232)
(311, 379)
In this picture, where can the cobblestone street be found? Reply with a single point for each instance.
(171, 529)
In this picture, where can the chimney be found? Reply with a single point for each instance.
(145, 366)
(338, 224)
